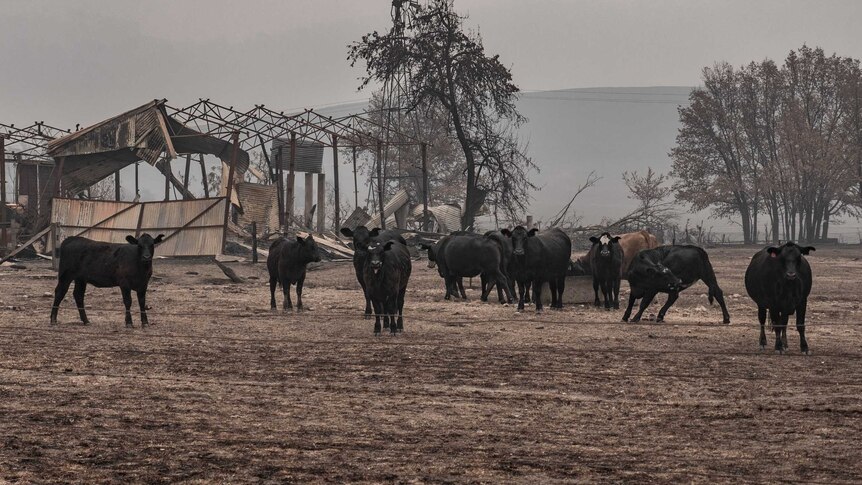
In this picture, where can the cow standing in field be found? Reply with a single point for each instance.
(287, 263)
(105, 265)
(606, 262)
(630, 242)
(778, 279)
(654, 271)
(362, 238)
(469, 255)
(435, 252)
(386, 273)
(540, 258)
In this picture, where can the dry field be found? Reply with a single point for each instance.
(220, 389)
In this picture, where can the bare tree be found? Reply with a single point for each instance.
(447, 65)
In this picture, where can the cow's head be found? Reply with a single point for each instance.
(519, 236)
(789, 256)
(146, 245)
(644, 272)
(361, 236)
(432, 253)
(577, 268)
(377, 254)
(603, 245)
(308, 251)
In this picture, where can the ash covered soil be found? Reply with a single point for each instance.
(221, 389)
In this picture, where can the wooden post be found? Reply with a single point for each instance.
(204, 177)
(355, 183)
(309, 199)
(167, 171)
(291, 179)
(137, 182)
(187, 174)
(321, 202)
(231, 169)
(279, 170)
(253, 241)
(117, 185)
(58, 174)
(425, 196)
(380, 191)
(529, 222)
(336, 219)
(55, 249)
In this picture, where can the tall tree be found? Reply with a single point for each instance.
(447, 65)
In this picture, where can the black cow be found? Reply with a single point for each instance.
(606, 262)
(362, 237)
(540, 258)
(434, 255)
(386, 272)
(472, 255)
(670, 269)
(287, 262)
(105, 265)
(779, 280)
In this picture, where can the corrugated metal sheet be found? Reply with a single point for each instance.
(448, 217)
(395, 203)
(259, 204)
(112, 221)
(309, 155)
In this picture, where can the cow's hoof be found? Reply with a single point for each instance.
(626, 320)
(85, 322)
(779, 351)
(762, 347)
(128, 325)
(659, 320)
(806, 352)
(376, 334)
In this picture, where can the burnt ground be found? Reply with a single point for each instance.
(220, 389)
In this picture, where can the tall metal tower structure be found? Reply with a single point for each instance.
(395, 93)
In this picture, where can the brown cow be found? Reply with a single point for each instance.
(631, 242)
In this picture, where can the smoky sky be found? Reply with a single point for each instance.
(68, 62)
(81, 61)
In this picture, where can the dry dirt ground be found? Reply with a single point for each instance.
(220, 389)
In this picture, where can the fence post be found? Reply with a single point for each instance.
(254, 242)
(55, 250)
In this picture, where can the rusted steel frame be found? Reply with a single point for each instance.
(156, 228)
(290, 190)
(3, 231)
(231, 170)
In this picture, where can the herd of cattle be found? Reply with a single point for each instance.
(778, 279)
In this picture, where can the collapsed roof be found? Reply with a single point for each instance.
(146, 133)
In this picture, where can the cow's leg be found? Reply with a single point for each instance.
(142, 304)
(367, 300)
(761, 317)
(273, 282)
(561, 288)
(719, 295)
(503, 286)
(776, 318)
(596, 284)
(633, 296)
(287, 304)
(127, 301)
(528, 287)
(537, 294)
(786, 319)
(59, 293)
(617, 293)
(299, 284)
(384, 306)
(401, 309)
(392, 312)
(606, 293)
(521, 291)
(645, 302)
(378, 309)
(800, 326)
(80, 288)
(486, 287)
(552, 287)
(671, 298)
(461, 288)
